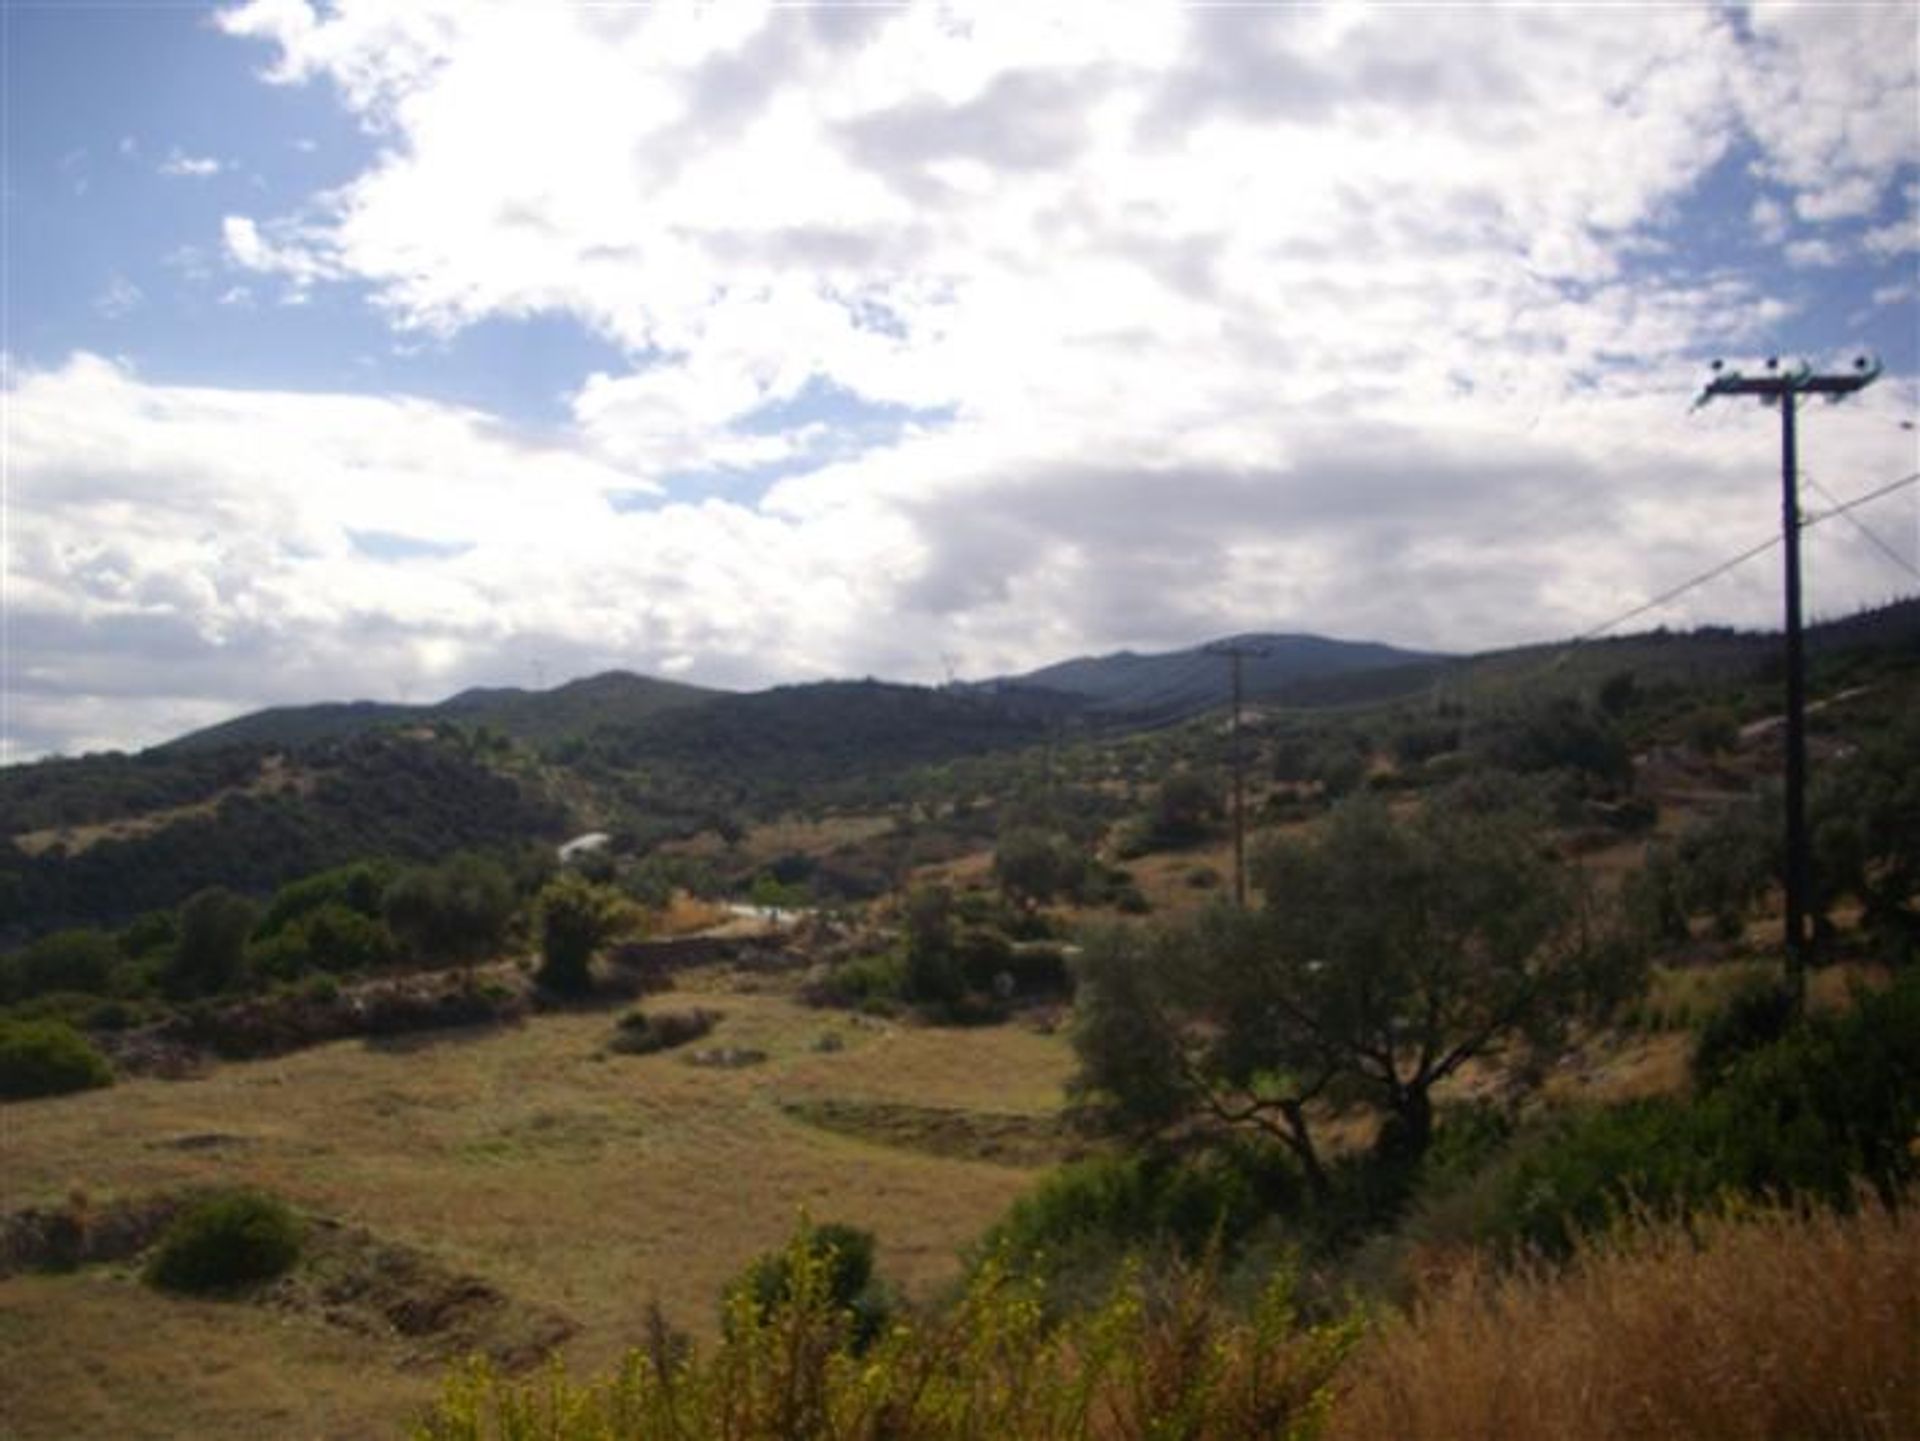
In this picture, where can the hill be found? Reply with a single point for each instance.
(535, 717)
(1156, 688)
(413, 798)
(792, 744)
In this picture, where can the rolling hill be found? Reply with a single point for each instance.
(1156, 688)
(535, 717)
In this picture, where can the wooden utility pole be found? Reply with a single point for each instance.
(1784, 389)
(1236, 652)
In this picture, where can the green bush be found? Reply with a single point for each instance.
(1078, 1226)
(77, 960)
(329, 937)
(1757, 1015)
(1833, 1104)
(210, 955)
(226, 1241)
(576, 918)
(845, 1254)
(357, 887)
(456, 911)
(47, 1058)
(865, 979)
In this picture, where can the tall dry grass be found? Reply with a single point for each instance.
(1777, 1325)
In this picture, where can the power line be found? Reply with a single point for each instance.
(1866, 530)
(1667, 596)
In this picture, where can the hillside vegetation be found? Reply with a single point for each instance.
(900, 1063)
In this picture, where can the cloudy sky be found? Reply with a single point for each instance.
(382, 349)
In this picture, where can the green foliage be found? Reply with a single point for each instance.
(76, 960)
(868, 982)
(1338, 766)
(1712, 730)
(47, 1058)
(1388, 955)
(843, 1256)
(1833, 1103)
(1618, 693)
(358, 887)
(368, 796)
(456, 911)
(1033, 866)
(933, 975)
(772, 893)
(1864, 813)
(1077, 1228)
(1187, 806)
(210, 955)
(1756, 1015)
(226, 1241)
(1554, 734)
(330, 937)
(1160, 1359)
(576, 917)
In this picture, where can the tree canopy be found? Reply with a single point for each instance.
(1389, 953)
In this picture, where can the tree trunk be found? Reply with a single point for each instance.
(1300, 1140)
(1408, 1131)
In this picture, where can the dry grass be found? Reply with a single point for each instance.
(274, 777)
(1764, 1328)
(97, 1354)
(787, 835)
(587, 1183)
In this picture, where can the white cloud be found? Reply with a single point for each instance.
(179, 165)
(1814, 254)
(248, 249)
(1770, 220)
(119, 298)
(1347, 319)
(1829, 94)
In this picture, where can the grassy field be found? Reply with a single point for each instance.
(589, 1183)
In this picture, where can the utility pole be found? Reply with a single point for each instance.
(1236, 652)
(1784, 389)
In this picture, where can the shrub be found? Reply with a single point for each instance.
(47, 1058)
(1832, 1104)
(357, 887)
(859, 981)
(226, 1241)
(328, 937)
(210, 954)
(456, 911)
(844, 1256)
(1161, 1359)
(640, 1034)
(984, 954)
(576, 917)
(1757, 1015)
(1077, 1227)
(78, 960)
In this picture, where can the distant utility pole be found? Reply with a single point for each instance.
(1784, 389)
(1236, 652)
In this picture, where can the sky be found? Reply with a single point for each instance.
(377, 350)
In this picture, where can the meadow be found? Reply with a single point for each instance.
(580, 1182)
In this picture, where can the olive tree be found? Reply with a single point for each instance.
(1388, 954)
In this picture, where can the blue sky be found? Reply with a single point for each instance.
(381, 350)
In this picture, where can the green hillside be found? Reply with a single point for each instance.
(536, 717)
